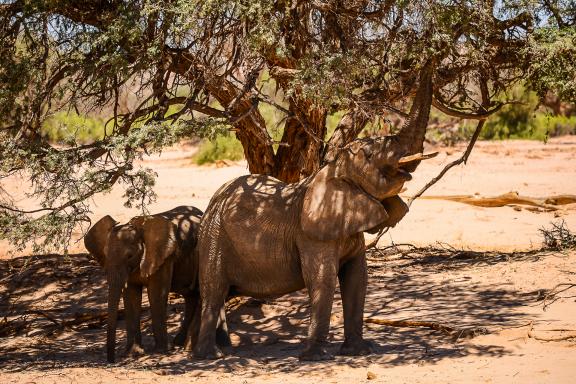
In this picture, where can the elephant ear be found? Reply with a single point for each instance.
(335, 209)
(159, 243)
(96, 239)
(396, 209)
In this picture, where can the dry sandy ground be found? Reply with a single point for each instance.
(472, 268)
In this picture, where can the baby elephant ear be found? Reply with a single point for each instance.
(159, 243)
(96, 238)
(336, 209)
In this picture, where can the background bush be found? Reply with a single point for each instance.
(526, 120)
(69, 127)
(222, 148)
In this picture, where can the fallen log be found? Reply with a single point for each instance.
(551, 203)
(542, 338)
(457, 333)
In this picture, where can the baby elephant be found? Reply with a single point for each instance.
(158, 252)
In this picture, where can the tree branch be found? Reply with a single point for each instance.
(462, 159)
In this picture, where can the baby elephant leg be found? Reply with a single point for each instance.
(190, 306)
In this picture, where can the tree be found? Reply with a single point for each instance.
(198, 68)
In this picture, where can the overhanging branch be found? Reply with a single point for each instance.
(465, 115)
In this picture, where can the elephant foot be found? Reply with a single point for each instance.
(357, 348)
(134, 351)
(208, 353)
(315, 352)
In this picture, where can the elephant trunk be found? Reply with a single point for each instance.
(412, 134)
(116, 282)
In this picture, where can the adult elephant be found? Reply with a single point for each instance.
(263, 238)
(158, 252)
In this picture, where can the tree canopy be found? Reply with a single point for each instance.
(204, 67)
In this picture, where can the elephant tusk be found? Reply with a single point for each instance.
(416, 157)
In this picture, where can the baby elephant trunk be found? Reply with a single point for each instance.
(116, 284)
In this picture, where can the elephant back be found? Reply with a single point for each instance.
(186, 220)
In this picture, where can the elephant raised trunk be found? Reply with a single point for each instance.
(116, 283)
(412, 134)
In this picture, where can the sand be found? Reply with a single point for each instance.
(467, 267)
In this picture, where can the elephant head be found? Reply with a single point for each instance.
(133, 250)
(357, 191)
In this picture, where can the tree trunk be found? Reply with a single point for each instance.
(250, 127)
(304, 133)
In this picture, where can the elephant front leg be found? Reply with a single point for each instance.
(353, 280)
(132, 308)
(320, 280)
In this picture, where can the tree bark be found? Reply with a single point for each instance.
(304, 133)
(250, 128)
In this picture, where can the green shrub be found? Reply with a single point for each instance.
(223, 148)
(523, 121)
(69, 127)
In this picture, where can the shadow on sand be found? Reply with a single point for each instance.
(42, 294)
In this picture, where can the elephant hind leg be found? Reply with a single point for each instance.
(206, 347)
(214, 290)
(193, 327)
(222, 335)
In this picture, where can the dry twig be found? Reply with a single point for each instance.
(552, 295)
(13, 327)
(559, 237)
(462, 159)
(22, 323)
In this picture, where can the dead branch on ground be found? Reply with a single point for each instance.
(23, 322)
(540, 338)
(553, 295)
(13, 327)
(559, 237)
(511, 198)
(456, 333)
(532, 335)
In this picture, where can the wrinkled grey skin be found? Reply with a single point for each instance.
(263, 238)
(158, 252)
